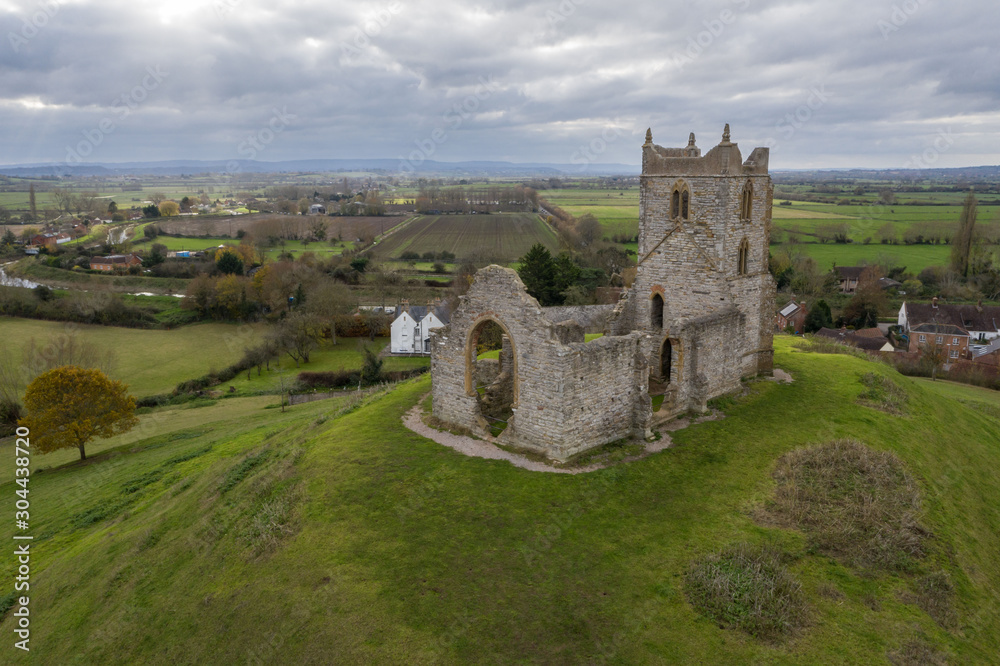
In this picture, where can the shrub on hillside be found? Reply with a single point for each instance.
(855, 504)
(747, 587)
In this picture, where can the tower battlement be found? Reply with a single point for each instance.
(724, 159)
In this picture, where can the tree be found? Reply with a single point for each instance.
(961, 245)
(589, 229)
(151, 211)
(157, 255)
(359, 264)
(69, 406)
(371, 371)
(297, 336)
(818, 317)
(869, 300)
(934, 356)
(229, 262)
(169, 208)
(537, 272)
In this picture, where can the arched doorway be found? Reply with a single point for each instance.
(491, 373)
(662, 374)
(666, 360)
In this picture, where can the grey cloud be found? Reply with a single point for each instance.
(370, 79)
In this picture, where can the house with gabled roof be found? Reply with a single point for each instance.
(412, 325)
(792, 315)
(868, 339)
(980, 322)
(953, 339)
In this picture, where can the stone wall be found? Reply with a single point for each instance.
(593, 318)
(568, 395)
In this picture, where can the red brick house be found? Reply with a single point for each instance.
(794, 315)
(115, 262)
(953, 339)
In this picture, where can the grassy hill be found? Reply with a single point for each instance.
(332, 534)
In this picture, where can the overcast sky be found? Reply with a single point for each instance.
(876, 83)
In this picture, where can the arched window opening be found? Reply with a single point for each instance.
(741, 261)
(675, 205)
(656, 311)
(746, 205)
(685, 198)
(492, 373)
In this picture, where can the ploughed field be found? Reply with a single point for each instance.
(500, 237)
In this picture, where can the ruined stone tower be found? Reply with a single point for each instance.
(696, 320)
(702, 293)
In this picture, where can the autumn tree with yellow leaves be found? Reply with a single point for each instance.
(69, 406)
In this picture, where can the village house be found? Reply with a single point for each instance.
(119, 262)
(953, 339)
(849, 277)
(412, 325)
(868, 339)
(50, 239)
(988, 354)
(980, 322)
(792, 315)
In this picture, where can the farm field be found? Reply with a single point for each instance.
(221, 226)
(149, 361)
(501, 236)
(620, 214)
(914, 257)
(617, 210)
(355, 540)
(61, 278)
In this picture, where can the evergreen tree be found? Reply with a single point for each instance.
(566, 274)
(961, 244)
(538, 272)
(819, 316)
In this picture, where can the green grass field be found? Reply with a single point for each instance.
(619, 214)
(503, 236)
(150, 362)
(317, 535)
(347, 354)
(914, 257)
(71, 279)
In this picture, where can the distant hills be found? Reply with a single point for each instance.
(427, 167)
(471, 168)
(959, 174)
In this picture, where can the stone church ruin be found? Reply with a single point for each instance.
(693, 324)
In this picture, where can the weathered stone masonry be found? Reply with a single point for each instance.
(694, 322)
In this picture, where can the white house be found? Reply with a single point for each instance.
(411, 329)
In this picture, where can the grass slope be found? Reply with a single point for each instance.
(149, 361)
(318, 537)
